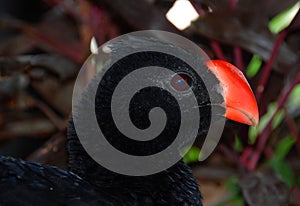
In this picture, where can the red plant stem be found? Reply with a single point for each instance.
(238, 58)
(268, 67)
(73, 54)
(232, 3)
(268, 152)
(59, 123)
(217, 49)
(214, 44)
(296, 193)
(264, 136)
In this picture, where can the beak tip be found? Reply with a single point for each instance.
(254, 122)
(254, 115)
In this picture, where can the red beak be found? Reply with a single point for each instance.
(240, 102)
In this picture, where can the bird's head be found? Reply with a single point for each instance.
(152, 99)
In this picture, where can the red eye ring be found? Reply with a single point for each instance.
(181, 82)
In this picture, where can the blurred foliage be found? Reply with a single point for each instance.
(253, 66)
(276, 120)
(236, 198)
(278, 163)
(283, 19)
(192, 155)
(42, 48)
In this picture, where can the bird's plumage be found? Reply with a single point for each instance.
(89, 183)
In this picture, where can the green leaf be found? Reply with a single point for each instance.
(297, 181)
(278, 118)
(283, 19)
(293, 101)
(284, 146)
(252, 134)
(278, 163)
(192, 155)
(238, 145)
(232, 186)
(253, 66)
(283, 169)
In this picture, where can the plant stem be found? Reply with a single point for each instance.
(238, 58)
(268, 67)
(74, 54)
(217, 49)
(213, 43)
(232, 3)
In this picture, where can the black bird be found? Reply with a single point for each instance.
(88, 183)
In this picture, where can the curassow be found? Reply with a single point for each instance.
(88, 183)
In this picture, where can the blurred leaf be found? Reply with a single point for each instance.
(15, 45)
(278, 118)
(63, 67)
(235, 28)
(34, 127)
(283, 19)
(58, 94)
(192, 155)
(284, 146)
(293, 101)
(238, 200)
(264, 187)
(134, 14)
(253, 66)
(278, 163)
(283, 169)
(232, 185)
(238, 145)
(253, 132)
(56, 32)
(297, 181)
(267, 8)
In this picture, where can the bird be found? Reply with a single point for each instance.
(89, 183)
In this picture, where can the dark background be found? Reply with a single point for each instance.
(43, 44)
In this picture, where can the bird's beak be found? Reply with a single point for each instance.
(240, 102)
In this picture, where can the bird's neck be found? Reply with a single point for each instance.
(176, 183)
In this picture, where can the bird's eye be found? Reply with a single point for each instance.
(181, 82)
